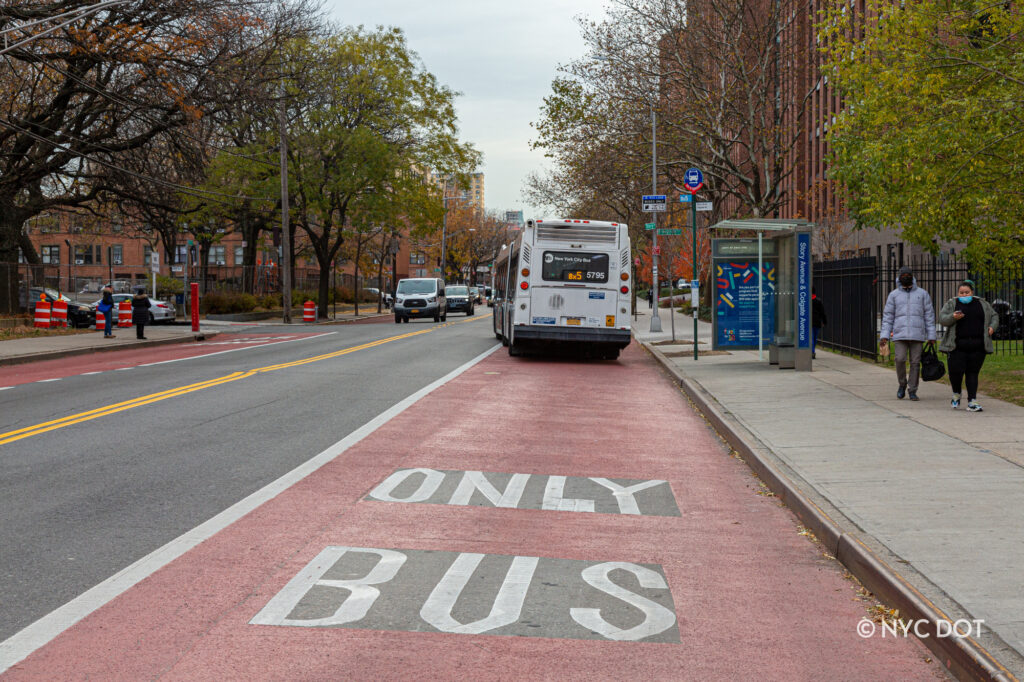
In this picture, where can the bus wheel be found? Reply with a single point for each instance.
(612, 355)
(514, 350)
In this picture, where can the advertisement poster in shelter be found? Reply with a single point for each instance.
(736, 302)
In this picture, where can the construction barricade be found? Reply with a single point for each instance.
(124, 314)
(309, 312)
(59, 314)
(43, 314)
(101, 321)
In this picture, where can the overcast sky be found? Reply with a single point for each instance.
(502, 56)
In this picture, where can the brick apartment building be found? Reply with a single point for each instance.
(810, 194)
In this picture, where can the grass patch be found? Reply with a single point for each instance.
(32, 332)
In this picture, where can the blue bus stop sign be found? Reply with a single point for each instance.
(693, 180)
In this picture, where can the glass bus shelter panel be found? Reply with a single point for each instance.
(735, 304)
(785, 293)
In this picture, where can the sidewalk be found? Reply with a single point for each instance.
(923, 503)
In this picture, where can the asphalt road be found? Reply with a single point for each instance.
(80, 502)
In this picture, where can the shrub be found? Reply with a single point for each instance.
(221, 303)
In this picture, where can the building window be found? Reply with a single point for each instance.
(116, 254)
(147, 254)
(417, 259)
(180, 253)
(239, 255)
(83, 255)
(50, 255)
(217, 255)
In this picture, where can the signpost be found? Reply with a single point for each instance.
(154, 266)
(655, 203)
(693, 181)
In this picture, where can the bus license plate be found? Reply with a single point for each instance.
(574, 320)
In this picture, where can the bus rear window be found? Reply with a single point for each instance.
(564, 266)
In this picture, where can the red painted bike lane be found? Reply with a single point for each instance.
(613, 537)
(108, 361)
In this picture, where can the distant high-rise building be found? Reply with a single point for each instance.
(474, 194)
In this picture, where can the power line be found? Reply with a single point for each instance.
(199, 193)
(91, 10)
(79, 11)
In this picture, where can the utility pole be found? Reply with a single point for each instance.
(286, 246)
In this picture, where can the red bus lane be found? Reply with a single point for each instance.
(529, 519)
(109, 361)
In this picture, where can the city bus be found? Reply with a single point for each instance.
(564, 281)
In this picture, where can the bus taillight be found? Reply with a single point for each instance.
(526, 272)
(624, 276)
(525, 285)
(624, 289)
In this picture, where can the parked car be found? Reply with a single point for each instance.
(160, 311)
(385, 297)
(460, 299)
(420, 297)
(79, 314)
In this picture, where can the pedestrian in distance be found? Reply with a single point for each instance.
(140, 312)
(106, 306)
(909, 320)
(969, 323)
(650, 298)
(818, 320)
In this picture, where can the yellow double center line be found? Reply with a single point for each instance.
(37, 429)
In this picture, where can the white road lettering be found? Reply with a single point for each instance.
(624, 495)
(554, 498)
(361, 596)
(658, 618)
(476, 480)
(431, 481)
(507, 607)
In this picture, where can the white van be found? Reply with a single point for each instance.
(420, 297)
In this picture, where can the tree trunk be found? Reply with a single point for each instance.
(380, 271)
(355, 272)
(10, 236)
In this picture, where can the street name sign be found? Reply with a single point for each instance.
(654, 203)
(669, 230)
(704, 206)
(650, 226)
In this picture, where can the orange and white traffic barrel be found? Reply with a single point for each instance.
(59, 314)
(101, 321)
(124, 314)
(309, 312)
(43, 314)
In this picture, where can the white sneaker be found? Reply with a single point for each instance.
(973, 406)
(955, 402)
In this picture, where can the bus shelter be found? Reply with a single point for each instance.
(762, 290)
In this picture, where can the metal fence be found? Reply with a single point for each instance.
(20, 281)
(854, 291)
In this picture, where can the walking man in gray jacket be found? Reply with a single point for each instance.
(909, 319)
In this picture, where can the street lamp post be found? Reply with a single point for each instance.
(655, 319)
(71, 257)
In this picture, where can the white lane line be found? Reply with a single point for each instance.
(6, 388)
(20, 645)
(85, 374)
(46, 381)
(232, 350)
(121, 369)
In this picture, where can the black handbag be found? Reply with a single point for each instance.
(932, 368)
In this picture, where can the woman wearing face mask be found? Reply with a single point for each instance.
(969, 321)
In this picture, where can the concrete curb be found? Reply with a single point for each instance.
(963, 657)
(57, 354)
